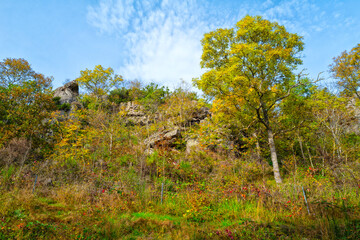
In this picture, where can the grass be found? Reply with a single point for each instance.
(95, 194)
(74, 212)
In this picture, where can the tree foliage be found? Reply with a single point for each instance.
(252, 67)
(346, 69)
(99, 81)
(25, 103)
(16, 71)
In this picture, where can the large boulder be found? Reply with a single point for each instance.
(166, 137)
(67, 93)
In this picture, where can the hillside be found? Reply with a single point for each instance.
(151, 169)
(265, 153)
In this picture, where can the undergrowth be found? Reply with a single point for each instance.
(221, 204)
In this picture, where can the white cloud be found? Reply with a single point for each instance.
(299, 16)
(162, 37)
(267, 3)
(308, 17)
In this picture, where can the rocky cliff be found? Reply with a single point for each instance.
(67, 93)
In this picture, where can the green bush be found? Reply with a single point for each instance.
(120, 95)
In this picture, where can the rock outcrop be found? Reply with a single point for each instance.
(135, 114)
(353, 124)
(192, 144)
(170, 137)
(199, 116)
(166, 137)
(67, 93)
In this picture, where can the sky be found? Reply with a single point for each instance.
(159, 40)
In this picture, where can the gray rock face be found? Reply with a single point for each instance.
(353, 124)
(192, 144)
(67, 93)
(135, 114)
(170, 136)
(199, 115)
(202, 113)
(166, 137)
(132, 109)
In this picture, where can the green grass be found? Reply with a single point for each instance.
(126, 204)
(26, 216)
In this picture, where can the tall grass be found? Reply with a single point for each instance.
(215, 207)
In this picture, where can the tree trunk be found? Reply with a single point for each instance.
(258, 150)
(301, 148)
(274, 156)
(272, 147)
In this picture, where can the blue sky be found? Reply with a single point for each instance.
(159, 40)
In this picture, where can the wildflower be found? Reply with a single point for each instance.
(103, 190)
(21, 225)
(288, 201)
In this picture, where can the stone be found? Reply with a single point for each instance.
(142, 121)
(67, 93)
(352, 125)
(48, 182)
(168, 137)
(76, 106)
(135, 114)
(191, 144)
(199, 116)
(172, 134)
(149, 151)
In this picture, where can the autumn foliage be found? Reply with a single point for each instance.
(25, 104)
(91, 173)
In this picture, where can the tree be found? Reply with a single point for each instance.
(346, 68)
(334, 120)
(16, 72)
(252, 67)
(25, 104)
(99, 81)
